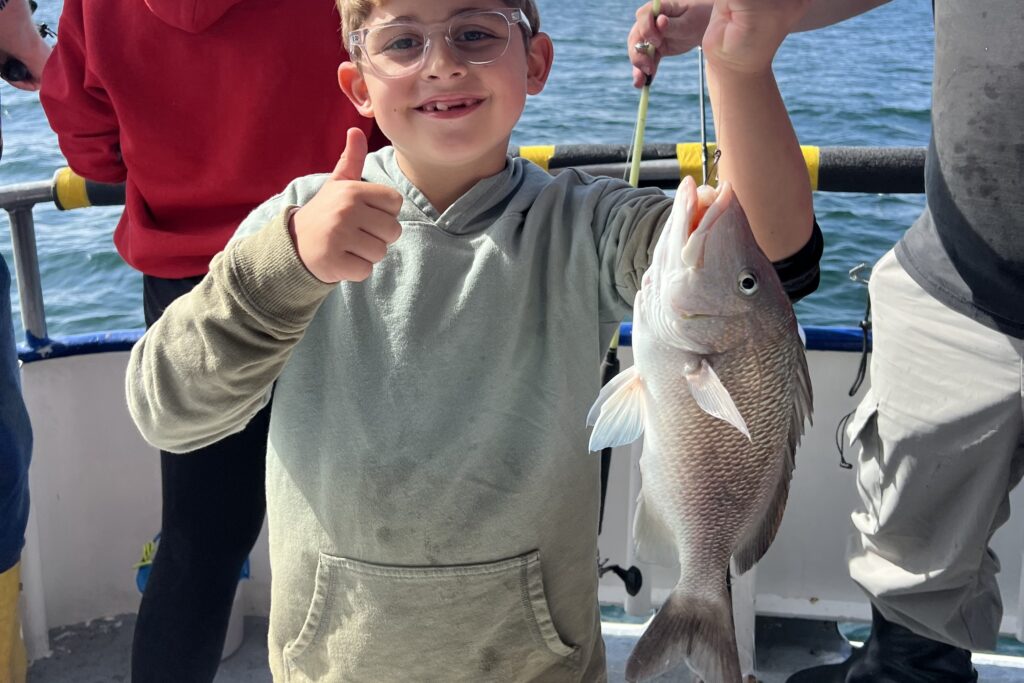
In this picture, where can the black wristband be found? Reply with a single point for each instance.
(800, 273)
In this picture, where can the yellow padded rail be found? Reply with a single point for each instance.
(689, 156)
(69, 190)
(538, 154)
(812, 157)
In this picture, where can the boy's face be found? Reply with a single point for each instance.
(449, 112)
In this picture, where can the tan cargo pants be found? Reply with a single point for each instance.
(941, 447)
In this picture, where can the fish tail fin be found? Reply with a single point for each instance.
(688, 628)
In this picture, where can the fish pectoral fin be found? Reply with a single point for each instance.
(652, 540)
(713, 398)
(619, 413)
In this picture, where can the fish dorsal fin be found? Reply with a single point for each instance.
(619, 413)
(713, 398)
(652, 539)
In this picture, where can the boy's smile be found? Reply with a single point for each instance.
(449, 120)
(450, 107)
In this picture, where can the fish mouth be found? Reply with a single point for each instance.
(704, 220)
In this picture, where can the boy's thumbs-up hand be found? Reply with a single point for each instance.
(347, 227)
(350, 165)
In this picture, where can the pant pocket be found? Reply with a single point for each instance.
(379, 623)
(862, 433)
(862, 430)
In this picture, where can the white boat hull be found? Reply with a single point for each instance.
(96, 501)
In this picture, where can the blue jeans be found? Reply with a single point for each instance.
(15, 437)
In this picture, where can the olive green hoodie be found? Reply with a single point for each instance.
(432, 505)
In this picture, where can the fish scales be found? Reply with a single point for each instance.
(709, 465)
(720, 391)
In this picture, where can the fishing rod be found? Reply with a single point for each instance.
(636, 154)
(632, 578)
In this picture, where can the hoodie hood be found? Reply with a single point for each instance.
(194, 16)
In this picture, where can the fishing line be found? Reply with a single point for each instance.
(708, 175)
(703, 120)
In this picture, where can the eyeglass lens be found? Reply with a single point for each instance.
(477, 38)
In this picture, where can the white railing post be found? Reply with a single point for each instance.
(33, 608)
(18, 201)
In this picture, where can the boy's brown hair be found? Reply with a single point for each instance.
(354, 13)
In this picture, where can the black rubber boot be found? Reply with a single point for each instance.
(894, 654)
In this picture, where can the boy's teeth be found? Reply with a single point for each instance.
(446, 106)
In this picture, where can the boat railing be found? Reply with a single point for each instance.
(876, 170)
(830, 169)
(66, 191)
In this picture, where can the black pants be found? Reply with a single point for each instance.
(213, 507)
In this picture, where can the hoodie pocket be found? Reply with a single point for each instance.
(380, 623)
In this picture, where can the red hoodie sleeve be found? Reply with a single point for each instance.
(77, 105)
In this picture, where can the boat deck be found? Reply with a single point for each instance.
(99, 652)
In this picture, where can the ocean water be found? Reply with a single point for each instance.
(865, 82)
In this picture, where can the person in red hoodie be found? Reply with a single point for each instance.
(204, 109)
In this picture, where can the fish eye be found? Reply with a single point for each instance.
(747, 282)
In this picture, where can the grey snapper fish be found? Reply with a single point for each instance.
(720, 391)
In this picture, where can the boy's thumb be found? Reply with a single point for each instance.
(350, 165)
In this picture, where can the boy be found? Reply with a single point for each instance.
(434, 316)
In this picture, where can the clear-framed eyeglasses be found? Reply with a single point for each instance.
(400, 48)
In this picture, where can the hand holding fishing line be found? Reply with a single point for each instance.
(347, 227)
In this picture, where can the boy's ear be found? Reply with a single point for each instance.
(539, 58)
(352, 83)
